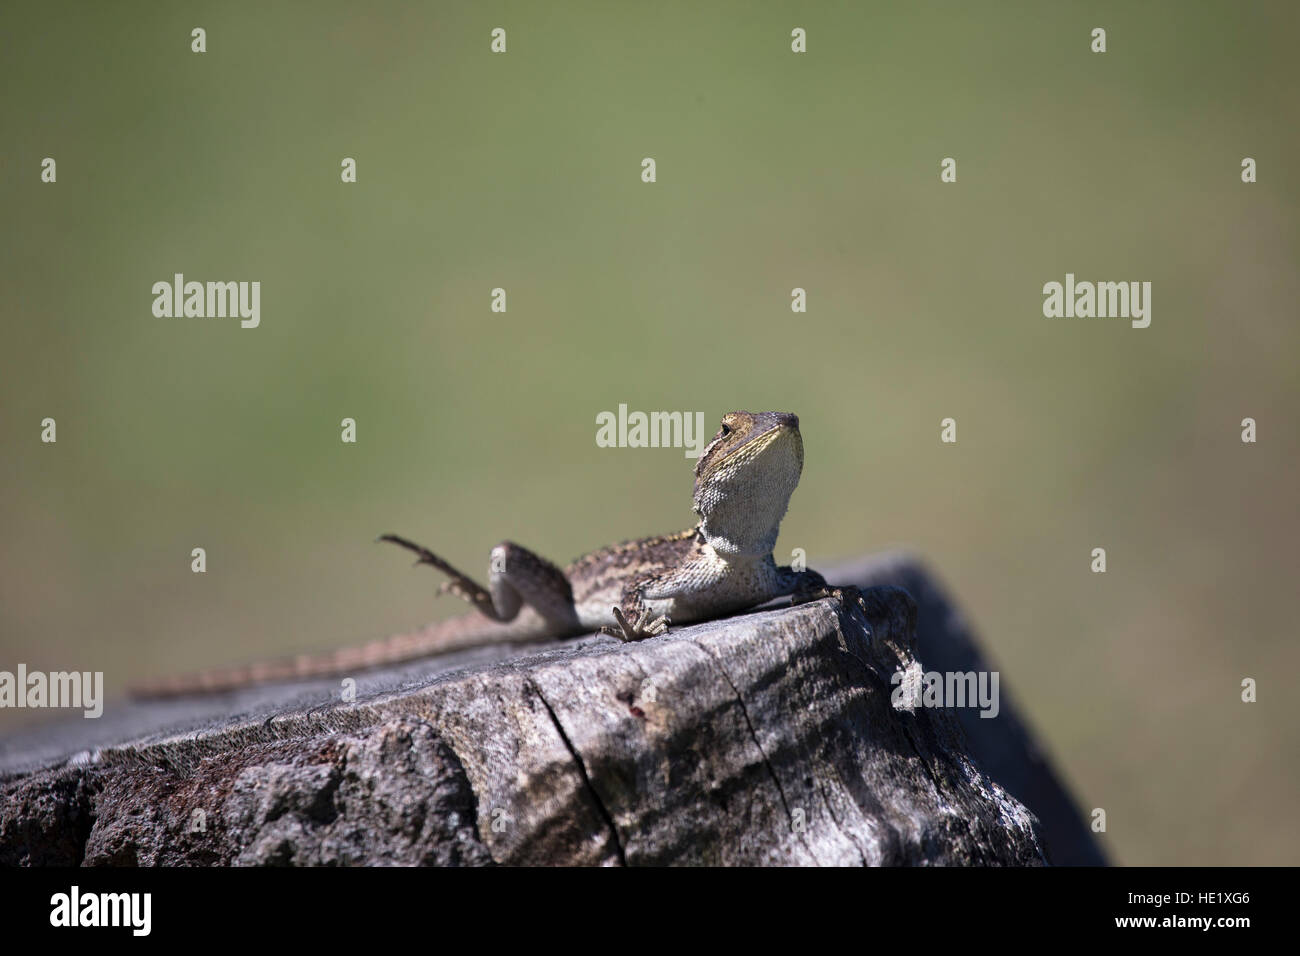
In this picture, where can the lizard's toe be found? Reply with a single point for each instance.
(647, 625)
(625, 631)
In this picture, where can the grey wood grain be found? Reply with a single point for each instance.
(765, 738)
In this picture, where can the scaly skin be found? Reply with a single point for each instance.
(743, 483)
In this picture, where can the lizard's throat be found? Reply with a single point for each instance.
(736, 527)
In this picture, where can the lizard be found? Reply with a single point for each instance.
(723, 564)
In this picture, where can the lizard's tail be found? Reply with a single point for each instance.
(457, 633)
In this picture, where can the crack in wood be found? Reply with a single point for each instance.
(582, 772)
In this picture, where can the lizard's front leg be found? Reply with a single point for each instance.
(516, 577)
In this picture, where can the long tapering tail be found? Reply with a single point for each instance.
(454, 634)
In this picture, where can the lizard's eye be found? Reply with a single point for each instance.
(726, 430)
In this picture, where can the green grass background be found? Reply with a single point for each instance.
(774, 171)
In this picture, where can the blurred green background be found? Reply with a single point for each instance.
(775, 170)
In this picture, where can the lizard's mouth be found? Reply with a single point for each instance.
(785, 419)
(767, 451)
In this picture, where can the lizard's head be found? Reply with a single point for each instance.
(744, 479)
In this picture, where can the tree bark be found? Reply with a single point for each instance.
(765, 738)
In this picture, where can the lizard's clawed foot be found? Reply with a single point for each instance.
(457, 587)
(457, 583)
(646, 626)
(845, 595)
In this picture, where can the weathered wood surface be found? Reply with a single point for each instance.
(765, 738)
